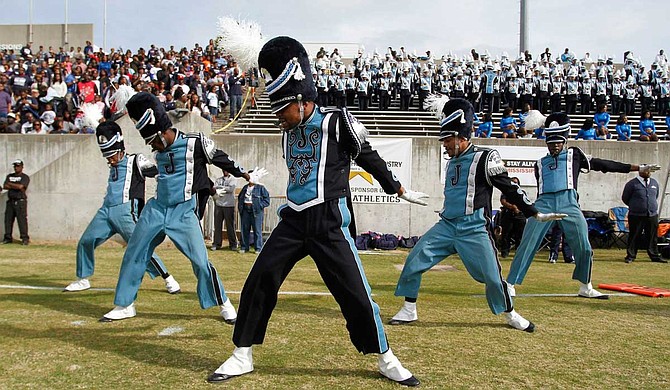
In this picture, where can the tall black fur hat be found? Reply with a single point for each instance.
(110, 138)
(458, 116)
(148, 114)
(557, 128)
(285, 60)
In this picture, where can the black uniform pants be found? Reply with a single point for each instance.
(512, 230)
(322, 232)
(17, 209)
(642, 233)
(227, 215)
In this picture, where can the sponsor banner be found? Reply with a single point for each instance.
(397, 152)
(519, 161)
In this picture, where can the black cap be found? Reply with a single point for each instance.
(557, 128)
(458, 117)
(149, 115)
(110, 138)
(287, 63)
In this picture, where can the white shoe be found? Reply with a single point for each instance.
(78, 285)
(119, 313)
(515, 320)
(239, 363)
(228, 312)
(390, 367)
(511, 290)
(406, 314)
(587, 291)
(172, 285)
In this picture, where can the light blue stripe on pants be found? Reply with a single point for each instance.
(180, 223)
(107, 222)
(467, 236)
(576, 234)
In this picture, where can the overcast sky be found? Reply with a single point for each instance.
(599, 27)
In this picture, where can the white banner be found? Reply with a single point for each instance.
(519, 160)
(397, 152)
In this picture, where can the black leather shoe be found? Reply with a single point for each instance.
(658, 261)
(410, 382)
(530, 328)
(217, 378)
(6, 241)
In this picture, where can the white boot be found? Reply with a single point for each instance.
(228, 312)
(239, 363)
(406, 314)
(119, 313)
(511, 290)
(586, 290)
(390, 367)
(515, 320)
(172, 285)
(78, 285)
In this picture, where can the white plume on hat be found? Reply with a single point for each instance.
(120, 98)
(92, 115)
(435, 104)
(241, 38)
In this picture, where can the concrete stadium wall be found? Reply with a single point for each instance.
(68, 177)
(46, 35)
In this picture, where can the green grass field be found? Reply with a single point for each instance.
(53, 340)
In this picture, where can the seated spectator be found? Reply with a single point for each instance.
(58, 127)
(28, 119)
(588, 131)
(169, 102)
(485, 128)
(48, 118)
(13, 126)
(522, 120)
(623, 131)
(68, 123)
(197, 107)
(647, 127)
(602, 119)
(508, 124)
(667, 126)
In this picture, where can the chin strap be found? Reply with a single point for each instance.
(302, 108)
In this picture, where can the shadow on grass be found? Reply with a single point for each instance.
(31, 280)
(311, 372)
(76, 304)
(142, 349)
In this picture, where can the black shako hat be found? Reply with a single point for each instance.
(458, 117)
(285, 61)
(557, 127)
(110, 138)
(148, 114)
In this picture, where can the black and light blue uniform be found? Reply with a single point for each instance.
(182, 174)
(119, 213)
(465, 226)
(557, 193)
(318, 222)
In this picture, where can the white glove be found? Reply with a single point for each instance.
(414, 197)
(257, 174)
(220, 191)
(649, 167)
(549, 217)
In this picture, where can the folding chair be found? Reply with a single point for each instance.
(600, 231)
(619, 216)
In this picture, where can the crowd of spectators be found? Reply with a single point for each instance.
(41, 91)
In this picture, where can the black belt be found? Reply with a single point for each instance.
(16, 200)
